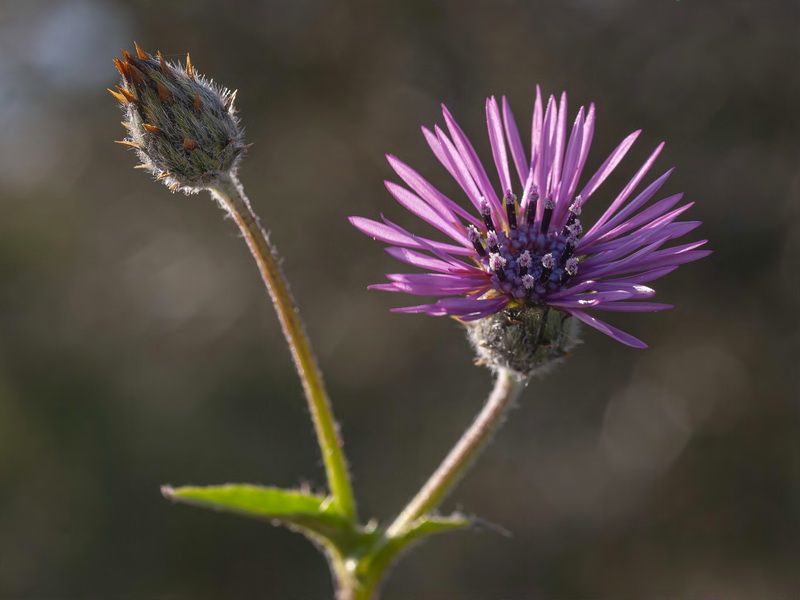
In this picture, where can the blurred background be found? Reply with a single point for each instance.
(137, 346)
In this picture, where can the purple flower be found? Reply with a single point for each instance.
(526, 245)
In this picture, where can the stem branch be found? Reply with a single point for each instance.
(230, 194)
(506, 390)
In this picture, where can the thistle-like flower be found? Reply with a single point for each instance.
(527, 250)
(183, 127)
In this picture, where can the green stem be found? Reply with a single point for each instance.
(350, 585)
(506, 390)
(230, 194)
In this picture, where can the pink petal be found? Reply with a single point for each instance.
(601, 226)
(429, 193)
(536, 128)
(610, 331)
(633, 307)
(515, 143)
(423, 210)
(470, 157)
(631, 185)
(646, 216)
(609, 165)
(424, 261)
(393, 234)
(498, 143)
(563, 200)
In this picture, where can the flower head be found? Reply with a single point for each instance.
(526, 245)
(183, 127)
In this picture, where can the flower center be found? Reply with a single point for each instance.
(530, 261)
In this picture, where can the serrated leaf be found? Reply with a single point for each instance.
(293, 508)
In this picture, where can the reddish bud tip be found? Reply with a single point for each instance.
(119, 97)
(128, 144)
(164, 65)
(137, 76)
(163, 93)
(122, 68)
(139, 52)
(126, 94)
(152, 129)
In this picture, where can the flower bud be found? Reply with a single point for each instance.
(525, 339)
(182, 126)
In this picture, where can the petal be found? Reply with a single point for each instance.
(536, 127)
(438, 150)
(646, 216)
(601, 226)
(645, 277)
(609, 165)
(498, 143)
(459, 168)
(515, 143)
(418, 259)
(591, 299)
(423, 210)
(673, 259)
(563, 200)
(434, 284)
(649, 234)
(474, 165)
(647, 259)
(633, 307)
(586, 143)
(471, 310)
(545, 160)
(560, 136)
(466, 308)
(629, 187)
(583, 286)
(635, 291)
(393, 234)
(609, 330)
(429, 193)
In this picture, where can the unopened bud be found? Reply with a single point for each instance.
(528, 340)
(183, 127)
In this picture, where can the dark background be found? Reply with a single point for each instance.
(137, 346)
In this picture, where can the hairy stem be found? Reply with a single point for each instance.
(506, 390)
(349, 585)
(230, 194)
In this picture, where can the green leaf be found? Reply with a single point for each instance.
(381, 556)
(309, 513)
(430, 525)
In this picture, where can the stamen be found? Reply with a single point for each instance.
(475, 237)
(528, 281)
(525, 261)
(511, 210)
(572, 266)
(549, 205)
(492, 242)
(496, 264)
(486, 213)
(530, 209)
(574, 210)
(575, 227)
(548, 262)
(569, 248)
